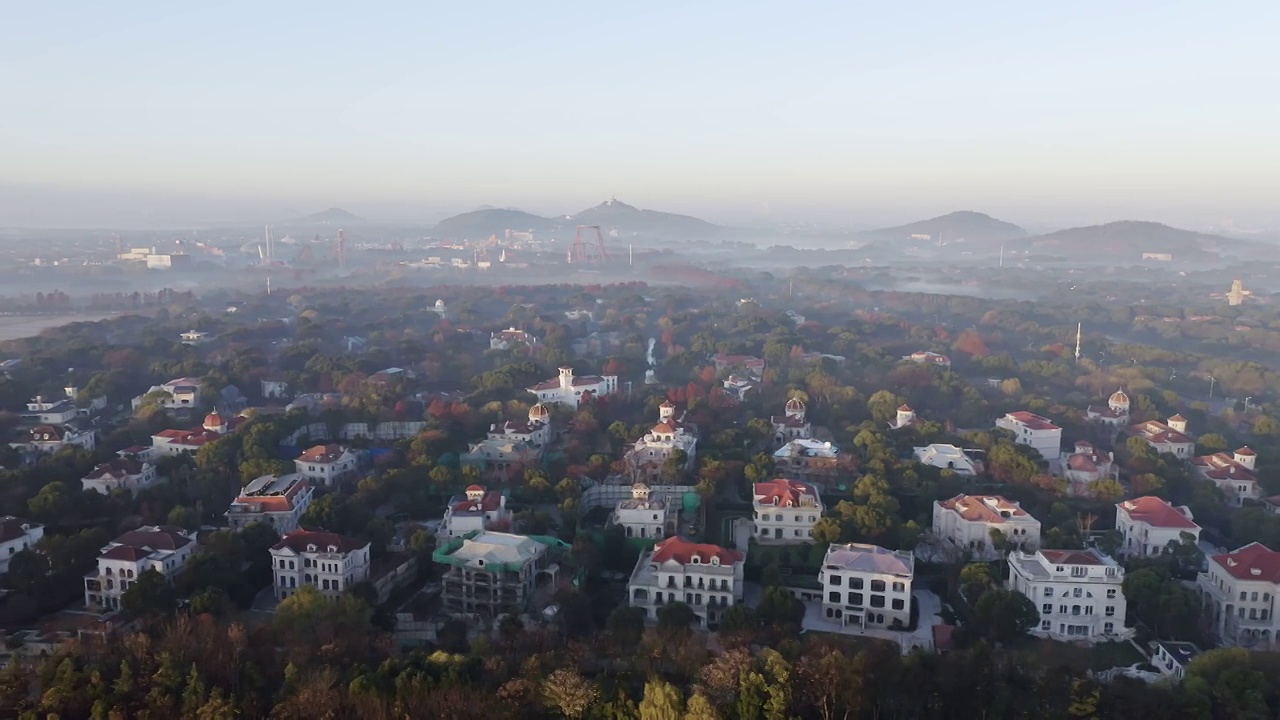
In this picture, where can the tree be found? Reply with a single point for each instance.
(150, 593)
(1210, 443)
(662, 701)
(780, 608)
(739, 619)
(975, 579)
(570, 693)
(626, 626)
(826, 531)
(675, 618)
(1004, 615)
(700, 708)
(1226, 681)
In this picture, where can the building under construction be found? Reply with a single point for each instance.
(491, 574)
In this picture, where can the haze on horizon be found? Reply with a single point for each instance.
(1041, 114)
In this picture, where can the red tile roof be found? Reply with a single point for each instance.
(1156, 513)
(164, 537)
(1070, 557)
(683, 552)
(1254, 561)
(984, 508)
(1032, 421)
(298, 540)
(1246, 451)
(782, 492)
(1159, 433)
(117, 468)
(322, 453)
(491, 501)
(125, 552)
(1221, 466)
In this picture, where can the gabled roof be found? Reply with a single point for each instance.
(782, 492)
(298, 540)
(1254, 561)
(118, 469)
(985, 508)
(11, 527)
(323, 454)
(1072, 557)
(1157, 513)
(860, 557)
(684, 551)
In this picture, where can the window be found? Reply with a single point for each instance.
(1111, 594)
(899, 587)
(1243, 596)
(1110, 611)
(1046, 609)
(877, 601)
(833, 596)
(836, 579)
(855, 599)
(1262, 614)
(1062, 609)
(1048, 592)
(877, 586)
(855, 583)
(1046, 625)
(1108, 628)
(1076, 592)
(1088, 609)
(1253, 597)
(897, 604)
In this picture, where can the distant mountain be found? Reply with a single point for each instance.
(479, 224)
(967, 226)
(1128, 239)
(332, 216)
(614, 214)
(609, 215)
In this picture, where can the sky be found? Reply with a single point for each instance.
(853, 112)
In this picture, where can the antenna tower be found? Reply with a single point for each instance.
(588, 246)
(342, 250)
(1079, 327)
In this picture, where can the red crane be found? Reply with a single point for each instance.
(588, 246)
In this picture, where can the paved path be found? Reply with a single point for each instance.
(929, 604)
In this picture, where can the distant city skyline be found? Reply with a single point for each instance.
(150, 114)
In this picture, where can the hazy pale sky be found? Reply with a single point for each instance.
(865, 111)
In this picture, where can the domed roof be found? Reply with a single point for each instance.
(1119, 398)
(213, 420)
(667, 404)
(475, 488)
(795, 403)
(905, 408)
(1246, 451)
(539, 411)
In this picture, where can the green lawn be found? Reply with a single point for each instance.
(1114, 654)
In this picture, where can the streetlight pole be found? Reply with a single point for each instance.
(1212, 380)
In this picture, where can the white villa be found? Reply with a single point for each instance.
(1234, 474)
(329, 562)
(1086, 464)
(277, 501)
(476, 509)
(52, 438)
(867, 585)
(1033, 431)
(1166, 437)
(645, 459)
(325, 464)
(17, 535)
(1148, 524)
(966, 521)
(949, 457)
(509, 338)
(164, 548)
(129, 471)
(570, 390)
(785, 511)
(1078, 593)
(1239, 593)
(644, 515)
(707, 578)
(183, 392)
(791, 425)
